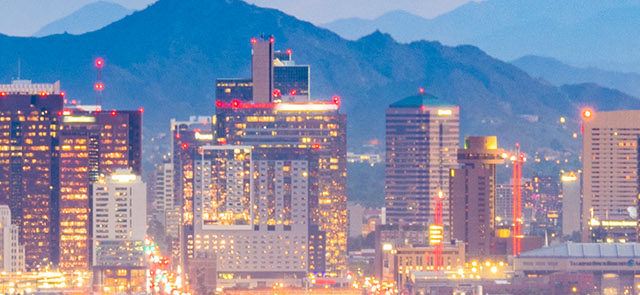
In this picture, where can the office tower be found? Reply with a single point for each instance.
(473, 187)
(234, 88)
(12, 252)
(26, 87)
(571, 203)
(422, 135)
(291, 81)
(186, 138)
(262, 68)
(504, 205)
(28, 171)
(92, 143)
(315, 126)
(610, 160)
(252, 213)
(165, 211)
(119, 232)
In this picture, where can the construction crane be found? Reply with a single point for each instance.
(516, 178)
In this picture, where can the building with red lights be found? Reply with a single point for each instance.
(318, 127)
(422, 137)
(93, 143)
(28, 168)
(186, 138)
(262, 49)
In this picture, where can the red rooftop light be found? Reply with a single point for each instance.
(99, 86)
(254, 40)
(63, 93)
(235, 103)
(3, 93)
(336, 99)
(99, 62)
(114, 113)
(141, 110)
(421, 90)
(289, 52)
(272, 39)
(277, 93)
(293, 92)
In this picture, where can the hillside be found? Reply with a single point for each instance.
(167, 57)
(582, 32)
(88, 18)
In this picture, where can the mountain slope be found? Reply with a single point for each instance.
(86, 19)
(167, 57)
(559, 73)
(583, 32)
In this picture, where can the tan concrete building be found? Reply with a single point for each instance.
(610, 159)
(473, 190)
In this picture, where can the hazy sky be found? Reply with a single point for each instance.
(323, 11)
(25, 17)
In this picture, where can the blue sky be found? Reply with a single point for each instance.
(25, 17)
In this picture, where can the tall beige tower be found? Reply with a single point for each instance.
(610, 159)
(473, 194)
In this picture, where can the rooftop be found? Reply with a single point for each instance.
(419, 100)
(586, 250)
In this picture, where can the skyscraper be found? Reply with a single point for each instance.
(28, 169)
(234, 88)
(473, 187)
(316, 126)
(92, 143)
(610, 159)
(571, 203)
(262, 68)
(186, 138)
(291, 81)
(11, 250)
(252, 214)
(422, 135)
(119, 232)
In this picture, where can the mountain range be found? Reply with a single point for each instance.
(560, 73)
(581, 32)
(88, 18)
(167, 57)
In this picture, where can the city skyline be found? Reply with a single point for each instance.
(265, 155)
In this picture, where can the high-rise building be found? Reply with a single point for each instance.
(26, 87)
(252, 214)
(610, 160)
(119, 232)
(504, 205)
(28, 170)
(165, 209)
(571, 203)
(235, 88)
(262, 68)
(473, 187)
(291, 81)
(93, 142)
(316, 126)
(422, 137)
(186, 138)
(12, 252)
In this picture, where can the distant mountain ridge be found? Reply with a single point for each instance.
(88, 18)
(582, 32)
(167, 57)
(559, 73)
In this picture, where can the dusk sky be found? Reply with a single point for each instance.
(34, 14)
